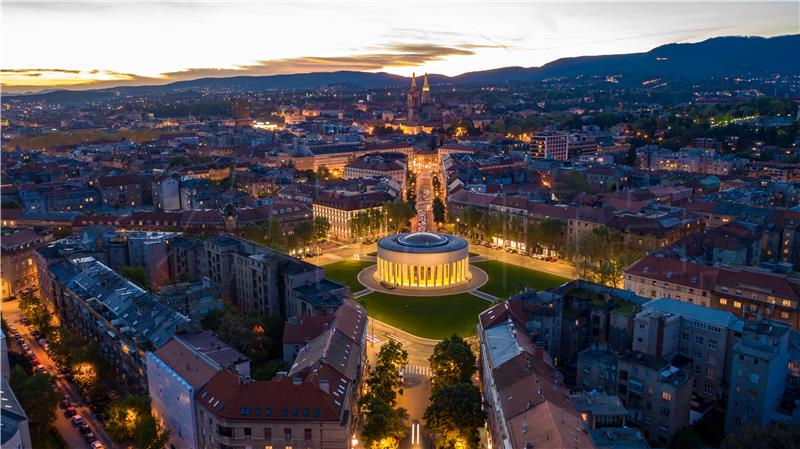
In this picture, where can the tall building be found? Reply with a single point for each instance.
(264, 281)
(706, 337)
(759, 365)
(241, 112)
(550, 146)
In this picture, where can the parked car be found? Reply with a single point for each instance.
(84, 428)
(65, 404)
(97, 445)
(89, 437)
(69, 412)
(76, 420)
(39, 369)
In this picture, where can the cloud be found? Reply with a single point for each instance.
(25, 71)
(375, 59)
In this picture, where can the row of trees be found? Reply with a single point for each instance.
(303, 235)
(478, 224)
(601, 255)
(384, 422)
(393, 217)
(455, 413)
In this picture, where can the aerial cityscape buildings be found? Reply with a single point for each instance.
(601, 252)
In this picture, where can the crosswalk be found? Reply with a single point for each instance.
(417, 370)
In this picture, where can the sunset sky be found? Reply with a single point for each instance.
(83, 45)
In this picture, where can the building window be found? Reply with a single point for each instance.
(248, 432)
(684, 336)
(737, 305)
(287, 433)
(268, 433)
(699, 340)
(307, 434)
(666, 395)
(664, 427)
(723, 301)
(713, 344)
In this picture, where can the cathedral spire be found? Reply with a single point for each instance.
(425, 83)
(413, 80)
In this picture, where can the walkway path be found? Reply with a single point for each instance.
(361, 293)
(482, 295)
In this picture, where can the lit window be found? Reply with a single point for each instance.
(723, 301)
(737, 305)
(666, 395)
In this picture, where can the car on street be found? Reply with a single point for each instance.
(76, 420)
(84, 428)
(97, 445)
(89, 437)
(65, 404)
(69, 412)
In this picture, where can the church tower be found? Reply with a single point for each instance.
(425, 98)
(413, 100)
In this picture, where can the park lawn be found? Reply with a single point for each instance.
(435, 317)
(506, 279)
(346, 272)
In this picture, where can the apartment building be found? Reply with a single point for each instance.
(526, 401)
(121, 191)
(312, 406)
(264, 281)
(704, 335)
(18, 269)
(656, 394)
(340, 207)
(747, 293)
(176, 371)
(758, 374)
(93, 300)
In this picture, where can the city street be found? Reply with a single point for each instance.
(70, 433)
(416, 376)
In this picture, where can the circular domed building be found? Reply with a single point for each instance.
(423, 260)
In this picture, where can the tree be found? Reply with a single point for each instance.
(452, 361)
(438, 210)
(37, 312)
(455, 414)
(304, 233)
(321, 228)
(776, 436)
(137, 275)
(130, 422)
(384, 422)
(35, 394)
(398, 212)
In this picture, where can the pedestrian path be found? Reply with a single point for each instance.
(364, 292)
(483, 295)
(417, 370)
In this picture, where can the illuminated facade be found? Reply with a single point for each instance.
(423, 260)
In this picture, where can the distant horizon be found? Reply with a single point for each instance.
(84, 46)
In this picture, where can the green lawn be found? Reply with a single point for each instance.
(506, 279)
(430, 317)
(346, 272)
